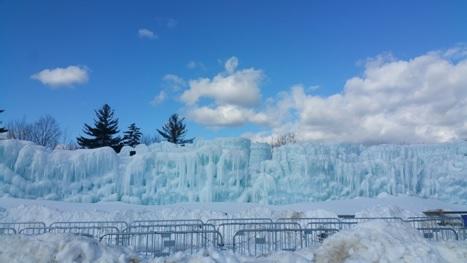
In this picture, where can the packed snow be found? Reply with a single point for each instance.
(234, 170)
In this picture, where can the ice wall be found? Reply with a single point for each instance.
(234, 169)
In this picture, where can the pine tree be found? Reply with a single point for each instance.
(174, 130)
(2, 129)
(106, 126)
(132, 136)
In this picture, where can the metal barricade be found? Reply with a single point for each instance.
(18, 226)
(166, 227)
(313, 237)
(120, 225)
(7, 231)
(366, 219)
(439, 233)
(316, 221)
(228, 230)
(167, 222)
(33, 231)
(165, 243)
(88, 231)
(217, 221)
(261, 242)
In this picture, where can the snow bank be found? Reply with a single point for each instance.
(59, 248)
(234, 170)
(379, 241)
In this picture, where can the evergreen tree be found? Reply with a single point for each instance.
(132, 136)
(106, 126)
(2, 129)
(174, 130)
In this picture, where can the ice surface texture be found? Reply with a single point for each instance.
(234, 169)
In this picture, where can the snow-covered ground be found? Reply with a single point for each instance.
(369, 242)
(12, 209)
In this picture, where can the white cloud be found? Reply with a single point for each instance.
(146, 33)
(195, 65)
(423, 99)
(159, 98)
(226, 116)
(236, 88)
(419, 100)
(62, 77)
(231, 65)
(174, 82)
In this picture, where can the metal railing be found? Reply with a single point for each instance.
(19, 226)
(313, 237)
(228, 230)
(439, 233)
(7, 231)
(261, 242)
(165, 243)
(120, 225)
(89, 231)
(328, 221)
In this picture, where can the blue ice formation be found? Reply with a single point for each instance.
(234, 170)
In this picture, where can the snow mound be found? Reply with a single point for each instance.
(379, 241)
(59, 248)
(234, 170)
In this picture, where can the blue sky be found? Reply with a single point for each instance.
(126, 49)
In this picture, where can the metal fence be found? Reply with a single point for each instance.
(261, 242)
(167, 227)
(421, 222)
(248, 236)
(120, 225)
(316, 222)
(165, 243)
(19, 226)
(228, 230)
(89, 231)
(439, 233)
(313, 237)
(7, 231)
(366, 219)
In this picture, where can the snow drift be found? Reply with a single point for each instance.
(234, 169)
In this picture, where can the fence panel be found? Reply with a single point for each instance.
(165, 243)
(261, 242)
(18, 226)
(120, 225)
(7, 231)
(439, 233)
(33, 231)
(217, 221)
(166, 227)
(89, 231)
(228, 230)
(315, 220)
(313, 237)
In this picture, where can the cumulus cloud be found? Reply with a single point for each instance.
(227, 116)
(159, 98)
(423, 99)
(395, 101)
(195, 65)
(174, 82)
(62, 77)
(231, 64)
(146, 33)
(234, 87)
